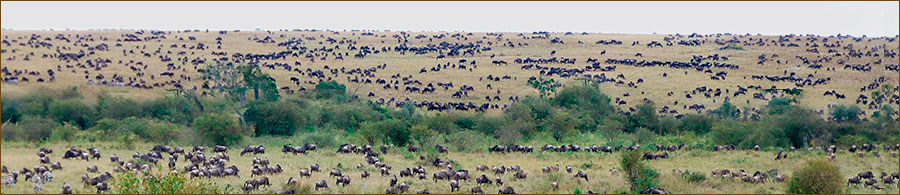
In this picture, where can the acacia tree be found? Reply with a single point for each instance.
(234, 81)
(545, 86)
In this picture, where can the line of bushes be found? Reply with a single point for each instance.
(579, 114)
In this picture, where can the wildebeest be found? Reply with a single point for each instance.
(582, 175)
(477, 190)
(507, 190)
(253, 149)
(321, 184)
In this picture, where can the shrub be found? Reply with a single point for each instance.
(65, 133)
(176, 109)
(562, 125)
(117, 107)
(645, 116)
(330, 89)
(370, 133)
(610, 127)
(347, 116)
(727, 111)
(144, 128)
(800, 126)
(510, 134)
(817, 176)
(488, 125)
(645, 136)
(10, 110)
(323, 139)
(778, 105)
(419, 133)
(220, 129)
(396, 131)
(640, 176)
(700, 124)
(171, 183)
(442, 123)
(694, 177)
(845, 113)
(272, 118)
(35, 128)
(13, 132)
(586, 97)
(38, 101)
(467, 140)
(72, 111)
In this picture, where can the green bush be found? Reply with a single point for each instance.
(801, 126)
(488, 125)
(396, 132)
(72, 111)
(467, 140)
(171, 183)
(845, 113)
(586, 97)
(700, 124)
(694, 177)
(272, 118)
(640, 176)
(220, 129)
(323, 139)
(10, 110)
(562, 125)
(117, 107)
(511, 133)
(144, 128)
(391, 131)
(419, 133)
(645, 116)
(330, 89)
(176, 109)
(35, 128)
(727, 111)
(347, 116)
(66, 132)
(38, 102)
(817, 176)
(610, 127)
(645, 136)
(12, 132)
(442, 123)
(779, 105)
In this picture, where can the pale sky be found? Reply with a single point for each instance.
(769, 18)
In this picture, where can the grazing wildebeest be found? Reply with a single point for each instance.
(477, 190)
(314, 167)
(66, 189)
(582, 175)
(321, 184)
(390, 190)
(221, 149)
(335, 173)
(507, 190)
(454, 185)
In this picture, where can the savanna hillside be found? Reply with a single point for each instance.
(235, 89)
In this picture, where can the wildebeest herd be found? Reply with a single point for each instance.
(413, 174)
(479, 72)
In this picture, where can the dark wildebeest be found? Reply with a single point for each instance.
(454, 185)
(477, 190)
(321, 184)
(507, 190)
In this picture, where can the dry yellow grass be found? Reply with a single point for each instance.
(17, 156)
(655, 87)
